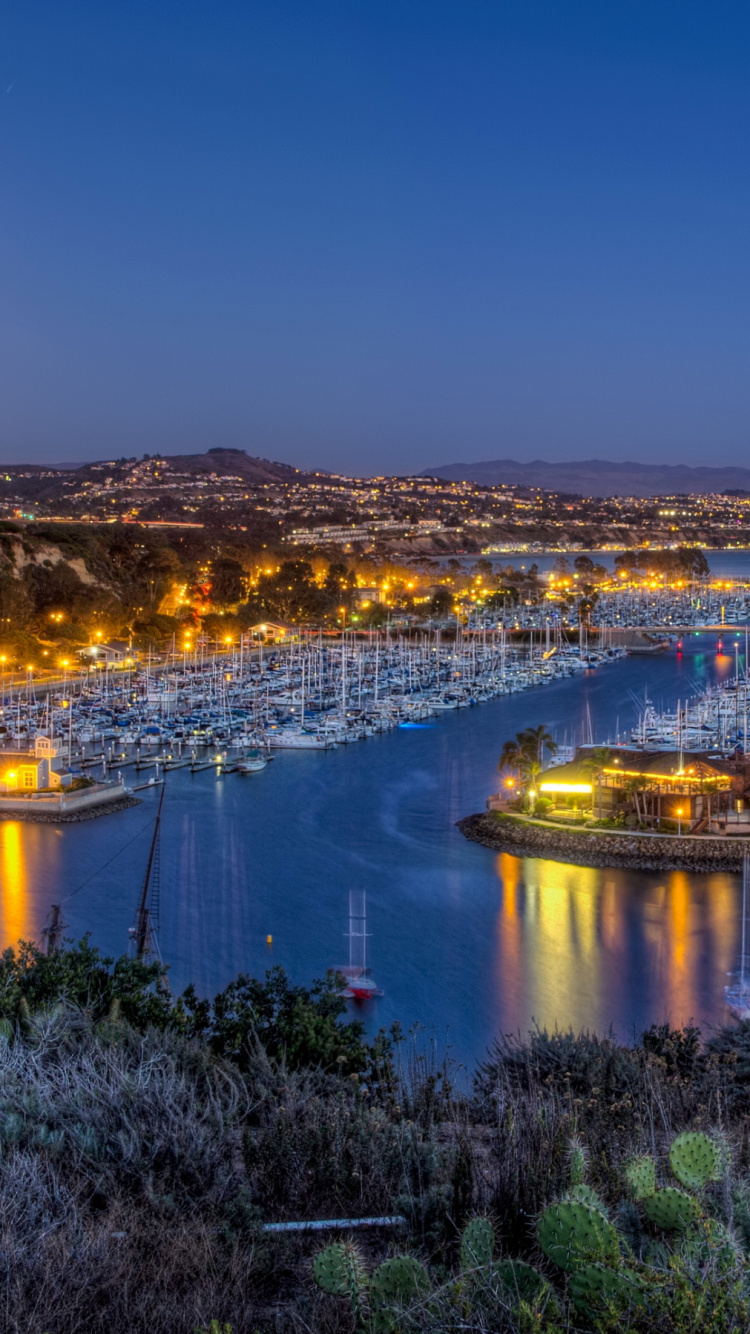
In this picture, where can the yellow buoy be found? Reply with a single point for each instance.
(269, 940)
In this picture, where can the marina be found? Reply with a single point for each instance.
(230, 713)
(465, 942)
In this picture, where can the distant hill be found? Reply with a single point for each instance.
(596, 477)
(234, 462)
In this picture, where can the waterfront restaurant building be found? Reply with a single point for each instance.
(694, 787)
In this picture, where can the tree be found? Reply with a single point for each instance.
(535, 739)
(596, 762)
(634, 787)
(441, 602)
(227, 581)
(511, 757)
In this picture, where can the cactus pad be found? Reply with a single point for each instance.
(398, 1281)
(339, 1270)
(520, 1280)
(585, 1195)
(694, 1159)
(6, 1030)
(640, 1174)
(477, 1244)
(594, 1287)
(571, 1233)
(577, 1163)
(710, 1242)
(671, 1209)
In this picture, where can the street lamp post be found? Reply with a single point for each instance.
(679, 821)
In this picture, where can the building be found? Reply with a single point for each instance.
(114, 652)
(274, 632)
(37, 770)
(692, 787)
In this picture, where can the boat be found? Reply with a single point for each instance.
(360, 983)
(737, 994)
(252, 763)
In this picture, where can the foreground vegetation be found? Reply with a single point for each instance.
(146, 1139)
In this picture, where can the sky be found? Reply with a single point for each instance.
(375, 237)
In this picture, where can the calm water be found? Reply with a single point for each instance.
(463, 940)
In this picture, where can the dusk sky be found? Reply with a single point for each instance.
(375, 236)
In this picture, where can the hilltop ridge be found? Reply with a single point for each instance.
(599, 477)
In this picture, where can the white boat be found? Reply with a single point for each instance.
(360, 983)
(252, 763)
(737, 994)
(292, 738)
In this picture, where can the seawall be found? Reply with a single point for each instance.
(583, 847)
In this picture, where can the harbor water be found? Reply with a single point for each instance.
(465, 942)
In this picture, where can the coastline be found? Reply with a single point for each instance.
(33, 815)
(523, 837)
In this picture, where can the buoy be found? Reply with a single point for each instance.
(269, 940)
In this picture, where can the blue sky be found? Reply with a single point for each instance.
(375, 236)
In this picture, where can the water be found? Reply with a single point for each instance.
(464, 941)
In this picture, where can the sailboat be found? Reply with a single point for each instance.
(143, 937)
(737, 994)
(360, 983)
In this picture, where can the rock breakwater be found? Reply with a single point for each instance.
(583, 847)
(33, 815)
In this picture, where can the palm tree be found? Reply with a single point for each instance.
(511, 757)
(596, 761)
(633, 787)
(534, 740)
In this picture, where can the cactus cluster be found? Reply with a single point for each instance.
(379, 1299)
(576, 1235)
(601, 1275)
(694, 1160)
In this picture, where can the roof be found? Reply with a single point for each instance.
(656, 765)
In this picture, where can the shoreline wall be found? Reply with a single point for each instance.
(638, 852)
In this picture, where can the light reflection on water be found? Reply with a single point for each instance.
(464, 941)
(16, 916)
(580, 942)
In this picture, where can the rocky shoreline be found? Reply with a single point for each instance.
(581, 847)
(36, 816)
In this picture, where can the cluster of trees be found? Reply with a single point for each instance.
(684, 564)
(523, 756)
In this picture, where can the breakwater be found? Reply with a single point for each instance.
(583, 847)
(65, 815)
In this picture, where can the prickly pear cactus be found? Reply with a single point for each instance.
(477, 1244)
(671, 1209)
(585, 1195)
(709, 1242)
(694, 1159)
(521, 1281)
(398, 1281)
(339, 1270)
(577, 1163)
(594, 1287)
(6, 1030)
(640, 1174)
(571, 1234)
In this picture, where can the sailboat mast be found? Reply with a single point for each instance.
(742, 966)
(143, 918)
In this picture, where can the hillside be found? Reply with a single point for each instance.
(597, 477)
